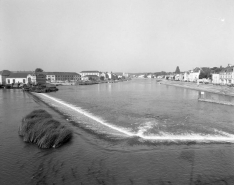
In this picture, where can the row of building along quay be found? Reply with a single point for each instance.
(19, 78)
(216, 75)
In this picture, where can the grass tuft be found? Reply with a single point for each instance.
(39, 127)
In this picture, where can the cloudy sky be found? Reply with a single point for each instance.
(116, 35)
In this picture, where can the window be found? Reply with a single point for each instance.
(8, 81)
(24, 81)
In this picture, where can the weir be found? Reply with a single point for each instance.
(225, 137)
(79, 110)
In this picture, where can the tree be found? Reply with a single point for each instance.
(205, 73)
(38, 70)
(177, 71)
(216, 69)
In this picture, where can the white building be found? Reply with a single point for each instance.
(31, 78)
(141, 76)
(227, 75)
(14, 78)
(104, 76)
(177, 77)
(150, 76)
(216, 79)
(126, 75)
(194, 75)
(3, 75)
(186, 76)
(50, 76)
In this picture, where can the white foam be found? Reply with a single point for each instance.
(145, 127)
(191, 137)
(162, 137)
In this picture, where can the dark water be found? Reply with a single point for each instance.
(136, 132)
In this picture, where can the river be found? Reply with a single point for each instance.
(134, 132)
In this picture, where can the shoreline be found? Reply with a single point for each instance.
(222, 90)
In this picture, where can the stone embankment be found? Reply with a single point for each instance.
(218, 89)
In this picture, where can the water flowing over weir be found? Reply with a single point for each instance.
(87, 119)
(100, 126)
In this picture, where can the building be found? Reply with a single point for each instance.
(36, 78)
(112, 76)
(62, 76)
(90, 77)
(227, 75)
(177, 77)
(40, 78)
(31, 78)
(3, 75)
(126, 75)
(194, 75)
(14, 78)
(104, 76)
(150, 76)
(181, 76)
(121, 75)
(186, 76)
(216, 78)
(50, 76)
(171, 76)
(84, 73)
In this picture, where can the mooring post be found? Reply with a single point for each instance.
(202, 95)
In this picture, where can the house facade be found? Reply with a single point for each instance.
(216, 79)
(63, 76)
(31, 78)
(194, 75)
(227, 75)
(50, 76)
(91, 77)
(177, 77)
(126, 75)
(3, 75)
(104, 76)
(36, 78)
(14, 78)
(53, 77)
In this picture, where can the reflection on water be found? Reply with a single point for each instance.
(91, 158)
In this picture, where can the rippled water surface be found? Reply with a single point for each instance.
(135, 132)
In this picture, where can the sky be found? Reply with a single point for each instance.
(116, 35)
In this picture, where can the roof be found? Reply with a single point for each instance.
(5, 73)
(91, 76)
(196, 70)
(89, 72)
(18, 75)
(227, 69)
(60, 73)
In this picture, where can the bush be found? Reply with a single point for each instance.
(39, 127)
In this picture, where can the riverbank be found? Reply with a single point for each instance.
(218, 89)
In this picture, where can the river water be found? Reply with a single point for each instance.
(135, 132)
